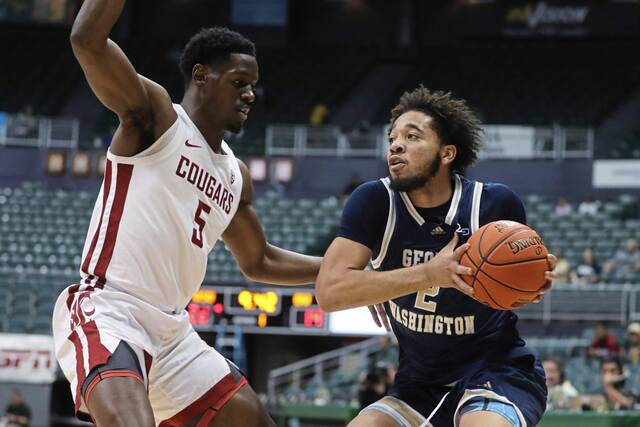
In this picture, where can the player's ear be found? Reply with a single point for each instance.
(199, 74)
(448, 153)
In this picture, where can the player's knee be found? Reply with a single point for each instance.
(123, 418)
(111, 417)
(115, 415)
(250, 403)
(243, 409)
(120, 402)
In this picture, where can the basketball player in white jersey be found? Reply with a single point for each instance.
(172, 188)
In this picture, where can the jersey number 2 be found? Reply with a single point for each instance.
(420, 299)
(196, 236)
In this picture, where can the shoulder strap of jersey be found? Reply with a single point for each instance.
(388, 231)
(455, 200)
(475, 207)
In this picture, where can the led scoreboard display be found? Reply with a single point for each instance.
(257, 310)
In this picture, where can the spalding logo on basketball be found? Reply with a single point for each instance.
(508, 260)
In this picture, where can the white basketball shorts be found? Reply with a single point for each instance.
(185, 377)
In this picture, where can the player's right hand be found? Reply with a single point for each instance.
(444, 269)
(379, 316)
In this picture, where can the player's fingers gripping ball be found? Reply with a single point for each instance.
(508, 261)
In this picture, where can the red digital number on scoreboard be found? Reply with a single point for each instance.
(199, 315)
(313, 318)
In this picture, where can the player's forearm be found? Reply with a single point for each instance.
(349, 288)
(94, 23)
(282, 267)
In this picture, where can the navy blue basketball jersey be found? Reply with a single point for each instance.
(441, 332)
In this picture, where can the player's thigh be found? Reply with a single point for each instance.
(373, 418)
(484, 419)
(190, 380)
(242, 410)
(120, 401)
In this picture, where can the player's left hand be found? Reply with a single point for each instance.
(379, 316)
(549, 275)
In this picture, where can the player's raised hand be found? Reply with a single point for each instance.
(550, 275)
(444, 269)
(379, 316)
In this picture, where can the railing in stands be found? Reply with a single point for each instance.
(317, 367)
(601, 302)
(31, 131)
(303, 141)
(499, 142)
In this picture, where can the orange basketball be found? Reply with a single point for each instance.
(508, 260)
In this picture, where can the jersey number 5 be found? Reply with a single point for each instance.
(420, 299)
(196, 236)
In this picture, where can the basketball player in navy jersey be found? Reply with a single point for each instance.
(461, 363)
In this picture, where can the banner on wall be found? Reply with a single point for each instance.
(545, 18)
(27, 358)
(616, 173)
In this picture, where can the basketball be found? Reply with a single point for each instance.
(508, 261)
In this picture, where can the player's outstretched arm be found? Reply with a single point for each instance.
(259, 260)
(343, 284)
(143, 107)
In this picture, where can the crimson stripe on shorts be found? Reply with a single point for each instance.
(81, 375)
(105, 195)
(98, 353)
(214, 399)
(123, 178)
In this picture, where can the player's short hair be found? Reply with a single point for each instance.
(453, 121)
(211, 46)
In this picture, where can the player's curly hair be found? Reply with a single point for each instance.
(453, 121)
(210, 46)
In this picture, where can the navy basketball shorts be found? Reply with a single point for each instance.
(513, 388)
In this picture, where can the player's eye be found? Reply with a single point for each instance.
(391, 139)
(412, 137)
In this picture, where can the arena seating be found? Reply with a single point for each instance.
(604, 232)
(42, 233)
(323, 379)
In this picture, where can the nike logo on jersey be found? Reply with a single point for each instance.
(190, 145)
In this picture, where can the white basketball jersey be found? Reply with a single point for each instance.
(159, 214)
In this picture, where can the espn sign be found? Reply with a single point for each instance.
(27, 358)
